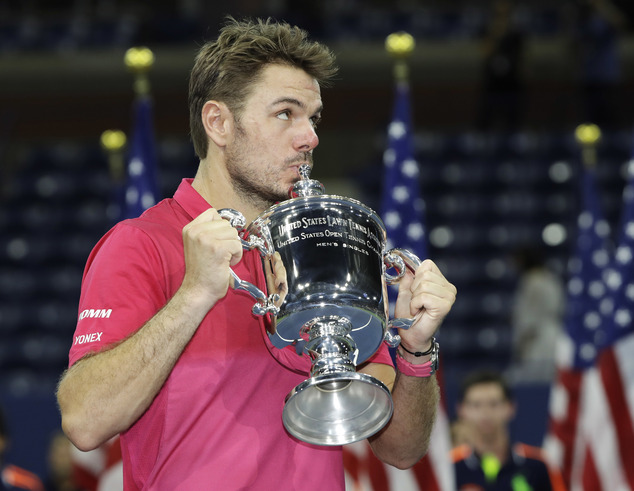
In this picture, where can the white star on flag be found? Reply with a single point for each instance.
(141, 187)
(624, 255)
(400, 194)
(397, 130)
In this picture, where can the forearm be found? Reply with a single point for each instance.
(405, 439)
(427, 297)
(105, 393)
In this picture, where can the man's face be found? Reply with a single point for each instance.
(486, 410)
(275, 134)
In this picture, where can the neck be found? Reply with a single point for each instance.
(497, 445)
(214, 184)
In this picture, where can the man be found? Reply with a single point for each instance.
(488, 461)
(176, 363)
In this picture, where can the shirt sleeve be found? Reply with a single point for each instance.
(122, 288)
(382, 355)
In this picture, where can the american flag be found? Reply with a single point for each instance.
(604, 452)
(141, 188)
(588, 301)
(592, 404)
(403, 212)
(577, 350)
(402, 207)
(616, 364)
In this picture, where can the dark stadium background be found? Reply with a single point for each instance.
(63, 82)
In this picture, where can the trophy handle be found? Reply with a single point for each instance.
(264, 304)
(400, 260)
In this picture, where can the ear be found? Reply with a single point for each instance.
(217, 121)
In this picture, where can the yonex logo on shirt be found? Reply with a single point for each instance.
(99, 313)
(88, 338)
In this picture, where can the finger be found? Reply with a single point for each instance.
(208, 215)
(433, 296)
(431, 277)
(433, 286)
(217, 237)
(431, 290)
(278, 265)
(210, 230)
(404, 298)
(435, 306)
(405, 284)
(414, 282)
(428, 268)
(279, 271)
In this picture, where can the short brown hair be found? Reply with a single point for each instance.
(226, 69)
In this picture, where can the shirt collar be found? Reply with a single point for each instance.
(190, 200)
(474, 459)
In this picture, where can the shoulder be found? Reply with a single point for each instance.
(18, 478)
(163, 218)
(159, 225)
(529, 452)
(536, 459)
(125, 245)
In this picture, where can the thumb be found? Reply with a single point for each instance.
(404, 298)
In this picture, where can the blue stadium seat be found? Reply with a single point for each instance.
(14, 316)
(40, 216)
(25, 381)
(57, 316)
(30, 250)
(16, 282)
(89, 216)
(10, 355)
(61, 282)
(44, 351)
(467, 205)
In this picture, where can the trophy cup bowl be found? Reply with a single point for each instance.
(334, 309)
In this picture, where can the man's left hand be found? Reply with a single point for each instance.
(426, 296)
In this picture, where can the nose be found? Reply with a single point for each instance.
(306, 138)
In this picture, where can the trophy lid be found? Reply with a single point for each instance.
(306, 186)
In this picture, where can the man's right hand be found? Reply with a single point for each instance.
(211, 247)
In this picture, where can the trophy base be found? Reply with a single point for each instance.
(337, 408)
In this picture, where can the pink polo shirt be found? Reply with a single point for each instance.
(217, 421)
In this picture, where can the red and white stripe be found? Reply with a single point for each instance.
(100, 469)
(592, 438)
(559, 443)
(434, 472)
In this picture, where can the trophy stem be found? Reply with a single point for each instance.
(330, 345)
(336, 405)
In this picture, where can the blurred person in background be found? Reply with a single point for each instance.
(488, 460)
(174, 360)
(502, 98)
(13, 477)
(60, 466)
(536, 316)
(461, 433)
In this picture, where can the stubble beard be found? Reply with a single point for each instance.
(255, 181)
(249, 182)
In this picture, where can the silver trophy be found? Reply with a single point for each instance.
(335, 309)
